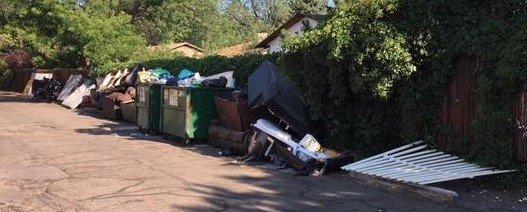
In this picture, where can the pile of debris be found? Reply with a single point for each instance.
(43, 86)
(113, 92)
(266, 121)
(186, 78)
(278, 117)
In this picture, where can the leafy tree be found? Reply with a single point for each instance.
(273, 12)
(308, 6)
(69, 34)
(234, 24)
(39, 28)
(107, 36)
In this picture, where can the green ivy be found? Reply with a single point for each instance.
(374, 74)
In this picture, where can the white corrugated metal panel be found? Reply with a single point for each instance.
(416, 163)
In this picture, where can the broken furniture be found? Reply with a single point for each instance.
(233, 110)
(276, 133)
(229, 133)
(73, 82)
(271, 92)
(416, 163)
(227, 139)
(76, 97)
(304, 155)
(109, 109)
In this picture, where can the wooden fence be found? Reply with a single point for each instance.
(520, 135)
(458, 110)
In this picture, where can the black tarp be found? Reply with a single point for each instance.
(270, 89)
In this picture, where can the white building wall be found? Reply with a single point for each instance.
(276, 44)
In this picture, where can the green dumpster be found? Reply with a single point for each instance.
(149, 107)
(142, 107)
(187, 112)
(155, 103)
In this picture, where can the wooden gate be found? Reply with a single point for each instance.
(458, 110)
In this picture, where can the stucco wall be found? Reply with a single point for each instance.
(276, 44)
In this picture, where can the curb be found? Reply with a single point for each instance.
(433, 193)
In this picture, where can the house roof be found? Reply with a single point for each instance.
(236, 50)
(177, 45)
(292, 21)
(173, 46)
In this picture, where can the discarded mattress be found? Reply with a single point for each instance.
(415, 163)
(75, 98)
(268, 88)
(73, 82)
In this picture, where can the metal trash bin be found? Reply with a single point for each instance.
(149, 107)
(187, 112)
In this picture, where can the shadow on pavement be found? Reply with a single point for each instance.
(132, 132)
(282, 191)
(300, 193)
(6, 96)
(276, 190)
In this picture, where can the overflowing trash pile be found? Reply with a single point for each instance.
(265, 120)
(282, 131)
(47, 89)
(270, 122)
(186, 78)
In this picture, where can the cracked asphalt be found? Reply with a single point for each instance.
(55, 159)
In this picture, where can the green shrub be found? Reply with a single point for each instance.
(375, 73)
(5, 75)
